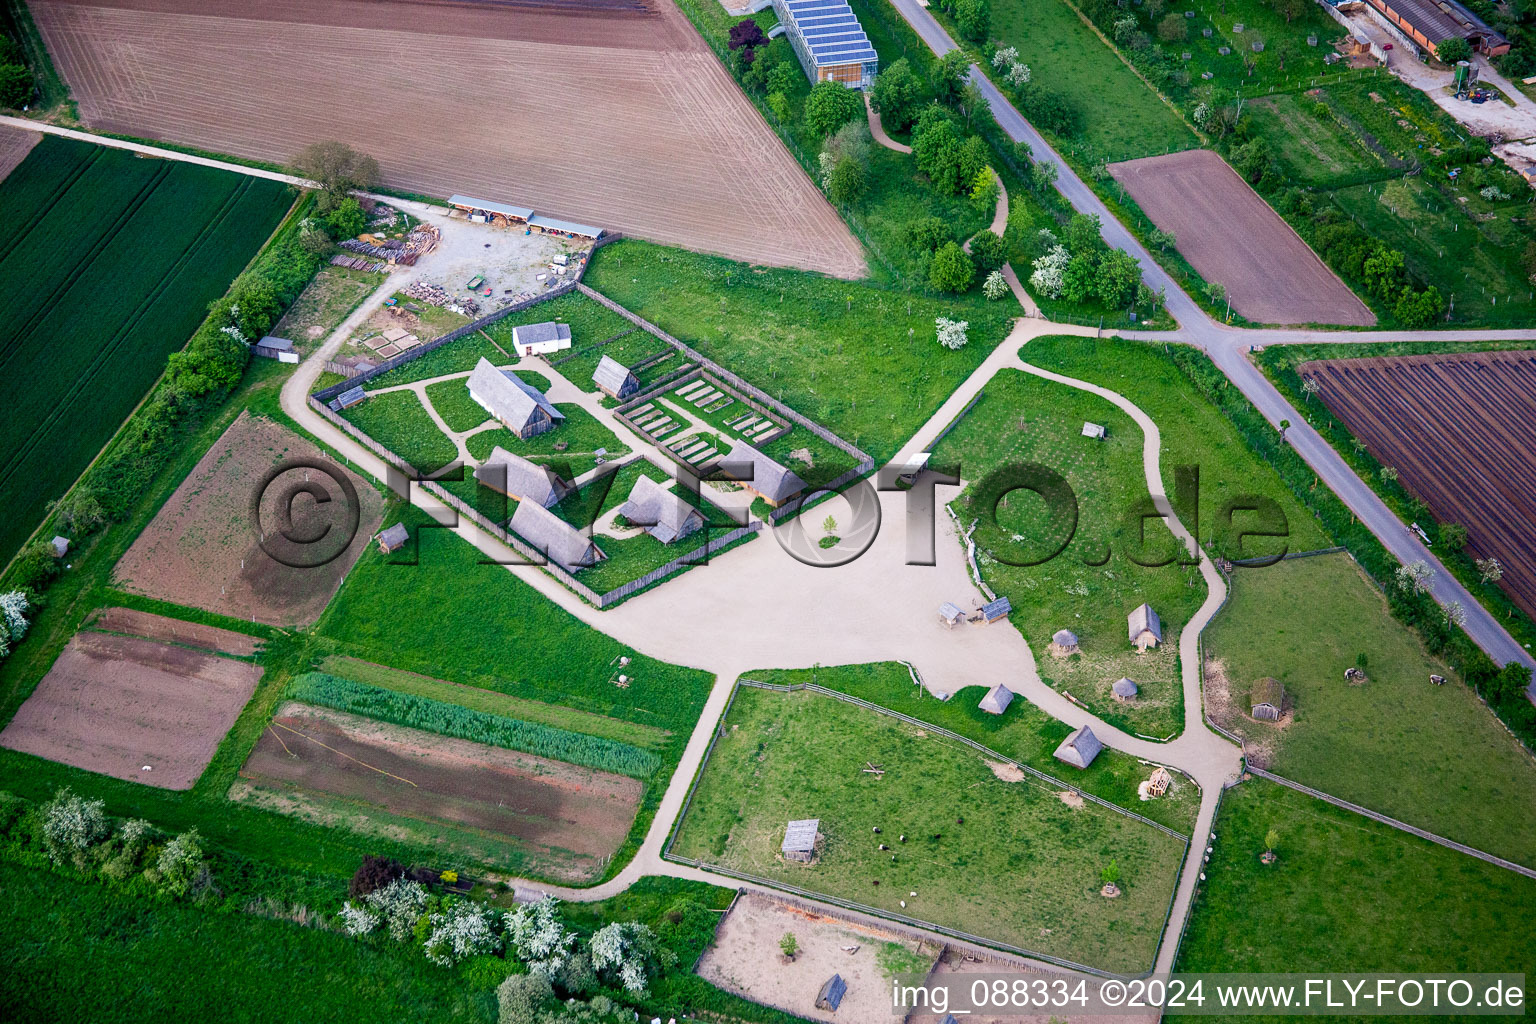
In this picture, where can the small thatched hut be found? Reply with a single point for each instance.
(1267, 699)
(1125, 689)
(1063, 643)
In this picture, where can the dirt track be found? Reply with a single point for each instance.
(414, 774)
(1458, 430)
(1232, 237)
(201, 548)
(620, 120)
(114, 704)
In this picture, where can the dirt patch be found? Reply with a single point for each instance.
(203, 550)
(1232, 237)
(1005, 771)
(955, 967)
(1071, 799)
(744, 960)
(574, 815)
(15, 144)
(115, 705)
(324, 304)
(621, 118)
(161, 627)
(1457, 429)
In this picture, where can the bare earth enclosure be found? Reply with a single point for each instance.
(572, 818)
(202, 549)
(15, 144)
(1458, 430)
(1231, 236)
(173, 631)
(610, 114)
(116, 704)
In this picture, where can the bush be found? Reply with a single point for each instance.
(346, 219)
(1449, 51)
(628, 954)
(73, 825)
(477, 726)
(16, 85)
(830, 106)
(951, 269)
(973, 18)
(988, 252)
(896, 96)
(523, 998)
(928, 234)
(1172, 29)
(373, 874)
(1053, 111)
(459, 931)
(847, 183)
(539, 938)
(179, 866)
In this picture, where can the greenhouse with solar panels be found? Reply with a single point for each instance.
(827, 38)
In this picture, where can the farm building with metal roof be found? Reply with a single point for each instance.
(829, 41)
(521, 407)
(1428, 23)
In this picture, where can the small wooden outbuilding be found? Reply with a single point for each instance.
(1145, 628)
(1063, 643)
(950, 615)
(1125, 689)
(1266, 700)
(997, 700)
(614, 379)
(60, 546)
(993, 610)
(800, 840)
(1080, 748)
(1094, 430)
(394, 538)
(831, 994)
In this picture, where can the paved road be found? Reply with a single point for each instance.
(1227, 347)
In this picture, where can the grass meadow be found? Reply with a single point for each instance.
(1010, 861)
(1348, 894)
(1432, 756)
(1024, 733)
(110, 265)
(857, 357)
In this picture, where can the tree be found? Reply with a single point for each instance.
(1110, 873)
(1054, 111)
(373, 874)
(1271, 840)
(313, 237)
(984, 189)
(16, 85)
(973, 18)
(523, 998)
(1084, 234)
(538, 936)
(1489, 570)
(338, 169)
(462, 929)
(1454, 535)
(896, 96)
(782, 109)
(1382, 269)
(747, 35)
(847, 183)
(1173, 29)
(72, 825)
(951, 333)
(937, 148)
(1454, 49)
(949, 75)
(972, 103)
(927, 234)
(1418, 309)
(1510, 682)
(1162, 240)
(994, 287)
(1049, 275)
(1079, 279)
(789, 945)
(1116, 278)
(1284, 426)
(1285, 49)
(951, 269)
(988, 252)
(830, 106)
(346, 219)
(1416, 577)
(782, 77)
(1389, 474)
(1252, 159)
(179, 865)
(628, 953)
(253, 306)
(1289, 9)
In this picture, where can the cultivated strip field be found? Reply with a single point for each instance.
(116, 704)
(1458, 430)
(627, 120)
(109, 264)
(202, 548)
(1233, 238)
(173, 631)
(573, 818)
(15, 144)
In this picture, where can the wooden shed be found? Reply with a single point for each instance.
(1145, 627)
(60, 546)
(394, 538)
(831, 994)
(1080, 748)
(997, 700)
(950, 615)
(993, 610)
(614, 379)
(800, 840)
(1267, 699)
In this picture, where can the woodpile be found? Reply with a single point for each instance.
(357, 263)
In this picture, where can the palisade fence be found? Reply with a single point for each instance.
(865, 462)
(862, 908)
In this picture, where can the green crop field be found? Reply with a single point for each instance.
(1023, 732)
(1011, 861)
(110, 264)
(399, 422)
(1348, 894)
(1311, 146)
(1432, 756)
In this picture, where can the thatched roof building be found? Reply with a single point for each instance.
(1146, 629)
(393, 538)
(614, 379)
(553, 537)
(1125, 689)
(759, 474)
(521, 407)
(1080, 748)
(1266, 700)
(997, 700)
(950, 614)
(518, 478)
(662, 513)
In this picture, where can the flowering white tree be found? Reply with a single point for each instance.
(1489, 570)
(179, 865)
(951, 333)
(828, 164)
(630, 952)
(398, 905)
(13, 607)
(463, 929)
(356, 920)
(1201, 115)
(1019, 75)
(1494, 194)
(1455, 614)
(994, 287)
(1416, 577)
(1050, 271)
(72, 825)
(539, 938)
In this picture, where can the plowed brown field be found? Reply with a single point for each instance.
(1232, 237)
(584, 109)
(1458, 429)
(15, 144)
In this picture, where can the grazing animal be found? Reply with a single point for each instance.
(903, 838)
(884, 847)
